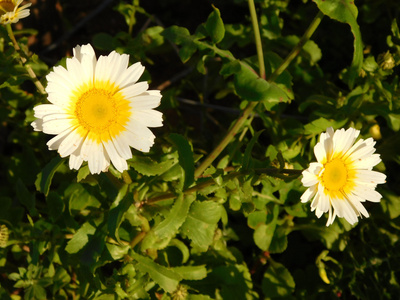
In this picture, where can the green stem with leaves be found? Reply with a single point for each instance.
(24, 60)
(278, 173)
(257, 37)
(251, 106)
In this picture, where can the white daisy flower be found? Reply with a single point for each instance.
(10, 12)
(98, 110)
(343, 177)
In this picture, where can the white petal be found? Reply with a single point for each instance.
(308, 194)
(119, 163)
(135, 89)
(37, 125)
(75, 161)
(121, 144)
(149, 118)
(56, 126)
(367, 193)
(130, 76)
(370, 177)
(144, 101)
(55, 142)
(97, 161)
(70, 143)
(46, 109)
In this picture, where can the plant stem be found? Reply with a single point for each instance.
(279, 173)
(296, 50)
(250, 107)
(257, 37)
(23, 59)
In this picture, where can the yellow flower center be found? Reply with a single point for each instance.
(335, 175)
(102, 112)
(96, 110)
(6, 6)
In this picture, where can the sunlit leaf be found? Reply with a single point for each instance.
(80, 238)
(166, 278)
(277, 281)
(201, 223)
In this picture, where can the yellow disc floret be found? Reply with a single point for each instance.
(335, 175)
(102, 112)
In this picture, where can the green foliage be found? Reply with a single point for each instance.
(161, 230)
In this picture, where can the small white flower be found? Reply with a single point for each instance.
(343, 177)
(98, 110)
(10, 12)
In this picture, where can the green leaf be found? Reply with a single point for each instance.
(181, 36)
(35, 291)
(116, 215)
(55, 205)
(201, 223)
(391, 205)
(160, 235)
(249, 148)
(25, 197)
(263, 235)
(44, 178)
(256, 218)
(319, 125)
(117, 251)
(215, 26)
(192, 272)
(146, 166)
(277, 281)
(265, 232)
(83, 173)
(166, 278)
(345, 11)
(186, 159)
(249, 86)
(80, 238)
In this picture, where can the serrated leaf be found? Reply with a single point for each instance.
(166, 278)
(215, 26)
(44, 178)
(277, 281)
(186, 160)
(160, 235)
(201, 223)
(148, 167)
(346, 11)
(80, 238)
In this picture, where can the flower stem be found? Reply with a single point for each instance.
(23, 59)
(250, 107)
(257, 37)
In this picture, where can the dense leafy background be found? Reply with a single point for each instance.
(236, 232)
